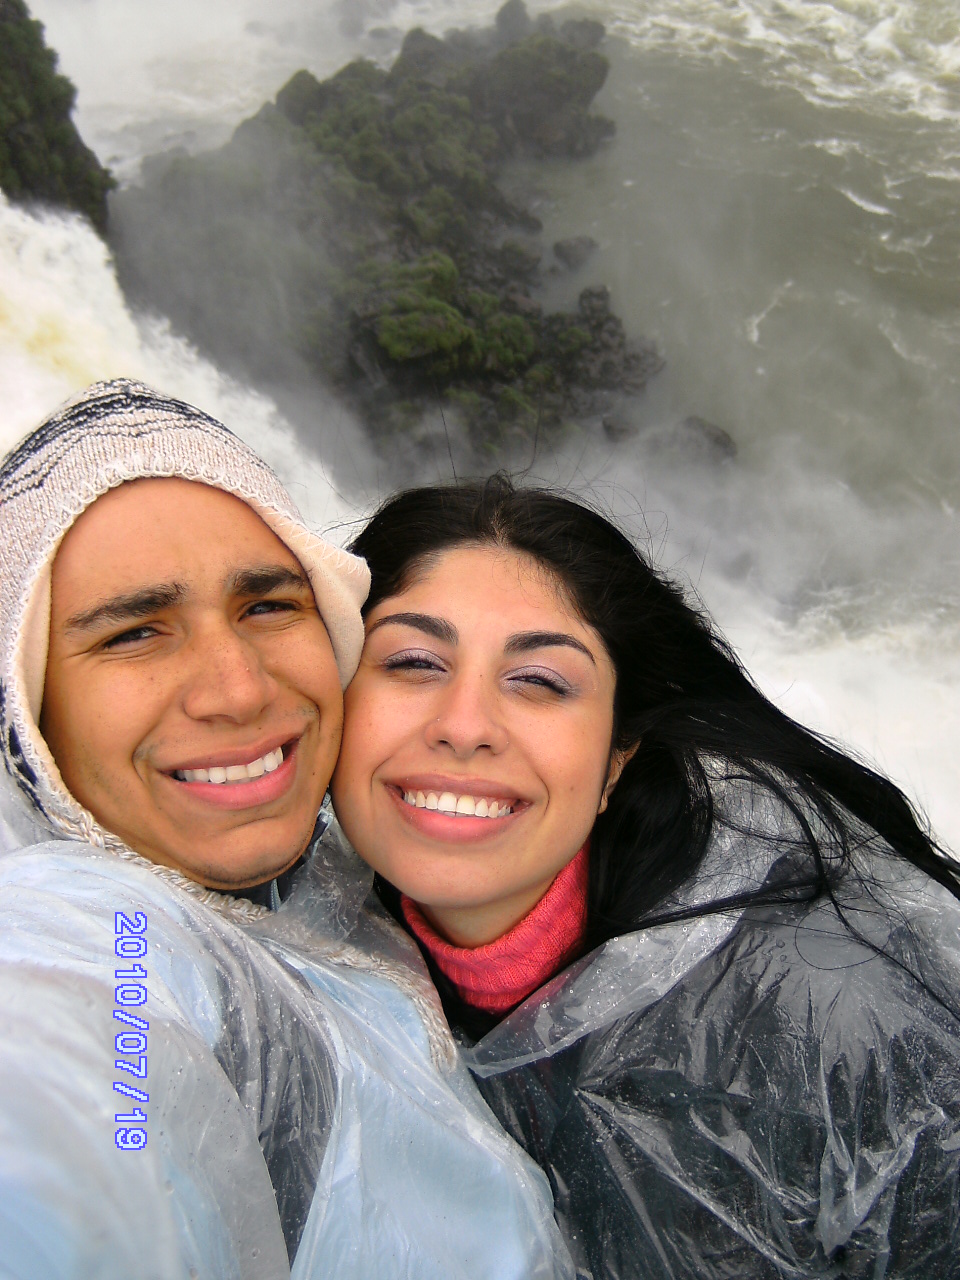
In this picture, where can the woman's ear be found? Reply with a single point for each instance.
(618, 762)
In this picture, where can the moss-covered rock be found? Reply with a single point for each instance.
(357, 226)
(42, 157)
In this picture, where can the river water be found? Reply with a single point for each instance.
(778, 210)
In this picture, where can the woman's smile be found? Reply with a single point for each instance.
(458, 812)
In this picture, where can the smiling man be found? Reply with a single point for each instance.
(213, 1061)
(164, 611)
(191, 698)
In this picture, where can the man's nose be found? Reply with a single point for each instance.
(469, 717)
(225, 676)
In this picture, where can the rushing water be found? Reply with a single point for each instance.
(778, 209)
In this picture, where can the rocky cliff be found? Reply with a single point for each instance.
(42, 157)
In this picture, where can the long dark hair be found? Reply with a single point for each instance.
(682, 701)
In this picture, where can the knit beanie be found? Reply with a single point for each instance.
(112, 433)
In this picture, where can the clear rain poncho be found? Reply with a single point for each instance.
(304, 1094)
(755, 1093)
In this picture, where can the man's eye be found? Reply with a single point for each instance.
(133, 636)
(264, 608)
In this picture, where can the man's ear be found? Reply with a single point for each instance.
(618, 762)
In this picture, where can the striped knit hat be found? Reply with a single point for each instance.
(112, 433)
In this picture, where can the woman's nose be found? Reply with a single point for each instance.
(225, 677)
(469, 718)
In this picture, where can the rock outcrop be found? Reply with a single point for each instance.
(42, 157)
(356, 228)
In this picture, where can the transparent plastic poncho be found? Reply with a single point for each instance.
(770, 1092)
(301, 1095)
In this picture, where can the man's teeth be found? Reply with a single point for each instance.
(447, 802)
(234, 772)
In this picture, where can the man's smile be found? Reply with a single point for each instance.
(260, 781)
(227, 772)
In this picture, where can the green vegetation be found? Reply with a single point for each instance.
(362, 221)
(41, 154)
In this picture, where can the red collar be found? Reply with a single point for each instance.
(502, 973)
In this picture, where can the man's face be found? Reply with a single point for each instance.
(192, 701)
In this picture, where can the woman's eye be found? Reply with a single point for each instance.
(547, 681)
(413, 662)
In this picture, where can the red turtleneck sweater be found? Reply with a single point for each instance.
(502, 973)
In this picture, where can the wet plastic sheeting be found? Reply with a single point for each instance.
(304, 1094)
(757, 1094)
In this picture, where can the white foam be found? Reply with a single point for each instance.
(64, 324)
(892, 696)
(894, 54)
(870, 206)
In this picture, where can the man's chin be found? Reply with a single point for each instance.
(235, 879)
(229, 867)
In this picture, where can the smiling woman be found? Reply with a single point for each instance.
(478, 750)
(192, 701)
(703, 965)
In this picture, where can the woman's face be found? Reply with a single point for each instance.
(477, 739)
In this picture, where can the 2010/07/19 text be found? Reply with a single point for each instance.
(130, 943)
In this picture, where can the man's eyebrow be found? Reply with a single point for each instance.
(439, 628)
(127, 608)
(524, 641)
(263, 579)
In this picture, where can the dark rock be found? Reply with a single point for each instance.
(575, 251)
(519, 259)
(641, 361)
(516, 299)
(513, 22)
(703, 441)
(594, 303)
(618, 425)
(42, 156)
(583, 33)
(537, 94)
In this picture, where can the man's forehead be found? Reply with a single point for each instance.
(166, 538)
(251, 580)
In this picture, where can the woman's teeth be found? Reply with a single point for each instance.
(234, 772)
(447, 802)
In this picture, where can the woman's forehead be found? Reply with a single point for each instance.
(504, 569)
(485, 588)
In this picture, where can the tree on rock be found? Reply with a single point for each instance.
(42, 156)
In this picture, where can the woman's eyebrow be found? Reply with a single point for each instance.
(439, 628)
(127, 608)
(524, 641)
